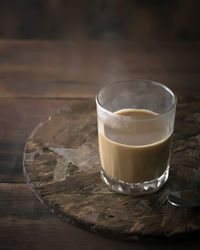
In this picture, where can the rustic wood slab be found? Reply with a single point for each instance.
(61, 167)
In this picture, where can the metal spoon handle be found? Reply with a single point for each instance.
(196, 179)
(179, 202)
(187, 198)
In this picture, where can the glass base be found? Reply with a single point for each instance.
(135, 189)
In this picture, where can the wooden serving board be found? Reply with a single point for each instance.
(61, 167)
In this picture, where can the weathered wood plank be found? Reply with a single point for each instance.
(18, 118)
(17, 201)
(71, 69)
(25, 223)
(54, 234)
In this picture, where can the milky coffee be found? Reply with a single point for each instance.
(138, 154)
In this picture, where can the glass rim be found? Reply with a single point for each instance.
(159, 115)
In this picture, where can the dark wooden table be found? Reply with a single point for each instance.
(39, 77)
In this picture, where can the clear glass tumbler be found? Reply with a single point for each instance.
(135, 124)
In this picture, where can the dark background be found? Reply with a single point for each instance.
(100, 19)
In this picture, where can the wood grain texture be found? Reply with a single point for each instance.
(63, 173)
(17, 120)
(25, 223)
(45, 69)
(35, 79)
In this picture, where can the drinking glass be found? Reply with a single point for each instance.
(135, 124)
